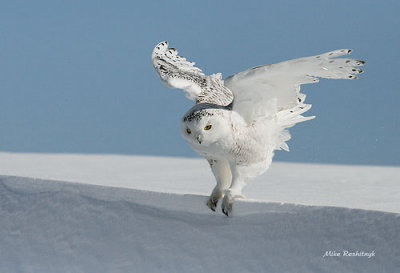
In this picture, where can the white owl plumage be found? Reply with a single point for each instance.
(238, 123)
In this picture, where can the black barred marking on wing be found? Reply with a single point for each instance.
(215, 92)
(214, 95)
(197, 79)
(172, 68)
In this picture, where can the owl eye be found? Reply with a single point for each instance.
(188, 131)
(208, 127)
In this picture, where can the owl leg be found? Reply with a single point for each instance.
(234, 191)
(222, 173)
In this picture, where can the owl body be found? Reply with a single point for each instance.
(238, 123)
(230, 138)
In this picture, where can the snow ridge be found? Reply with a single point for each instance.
(53, 226)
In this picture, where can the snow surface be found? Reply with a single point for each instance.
(55, 226)
(363, 187)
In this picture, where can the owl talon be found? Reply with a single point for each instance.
(227, 204)
(225, 212)
(212, 203)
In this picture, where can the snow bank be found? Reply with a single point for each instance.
(363, 187)
(148, 214)
(49, 226)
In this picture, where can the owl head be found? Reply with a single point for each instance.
(207, 126)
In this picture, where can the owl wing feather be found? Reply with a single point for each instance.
(275, 89)
(176, 72)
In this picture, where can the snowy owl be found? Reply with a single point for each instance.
(238, 123)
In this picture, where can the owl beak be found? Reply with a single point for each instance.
(199, 139)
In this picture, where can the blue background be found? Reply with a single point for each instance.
(76, 76)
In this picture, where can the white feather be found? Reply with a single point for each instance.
(259, 85)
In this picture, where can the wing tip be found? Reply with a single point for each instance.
(161, 47)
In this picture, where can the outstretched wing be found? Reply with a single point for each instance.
(176, 72)
(269, 89)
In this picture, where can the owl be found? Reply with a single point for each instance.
(238, 123)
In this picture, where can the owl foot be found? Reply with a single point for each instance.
(227, 204)
(212, 203)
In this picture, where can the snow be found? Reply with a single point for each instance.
(363, 187)
(148, 214)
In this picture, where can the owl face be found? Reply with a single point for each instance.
(207, 129)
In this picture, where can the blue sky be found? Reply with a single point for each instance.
(76, 76)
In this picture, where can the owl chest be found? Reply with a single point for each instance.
(218, 149)
(248, 146)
